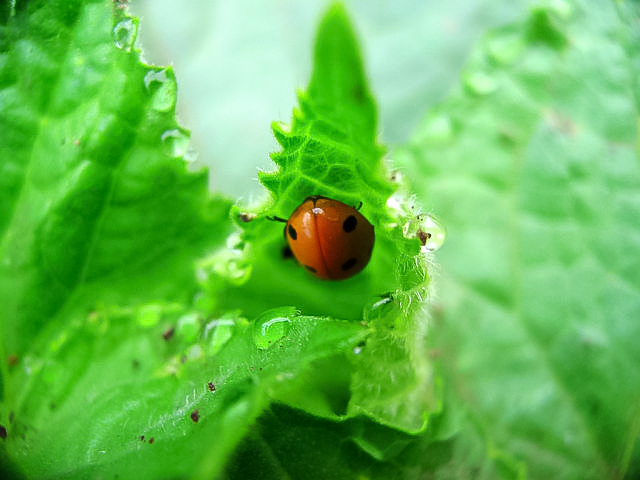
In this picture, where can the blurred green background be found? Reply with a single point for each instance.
(238, 65)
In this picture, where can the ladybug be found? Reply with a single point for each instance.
(329, 238)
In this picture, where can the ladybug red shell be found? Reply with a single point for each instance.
(329, 238)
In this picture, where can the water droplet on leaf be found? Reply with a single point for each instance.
(273, 325)
(428, 229)
(437, 128)
(194, 352)
(227, 265)
(562, 8)
(188, 326)
(191, 155)
(218, 332)
(480, 83)
(378, 309)
(432, 234)
(175, 142)
(505, 48)
(124, 34)
(161, 84)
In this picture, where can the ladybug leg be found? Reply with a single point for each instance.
(278, 219)
(359, 206)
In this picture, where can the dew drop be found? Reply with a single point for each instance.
(505, 48)
(124, 34)
(428, 229)
(194, 352)
(432, 234)
(228, 264)
(32, 365)
(378, 309)
(480, 83)
(272, 325)
(437, 128)
(217, 333)
(161, 84)
(190, 156)
(175, 142)
(188, 327)
(561, 8)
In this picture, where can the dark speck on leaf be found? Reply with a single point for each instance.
(423, 236)
(246, 217)
(168, 333)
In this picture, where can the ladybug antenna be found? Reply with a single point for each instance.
(359, 206)
(277, 219)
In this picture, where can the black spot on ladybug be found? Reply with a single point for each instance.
(310, 268)
(349, 264)
(350, 223)
(292, 232)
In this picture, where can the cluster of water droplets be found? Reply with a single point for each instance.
(228, 264)
(161, 86)
(416, 224)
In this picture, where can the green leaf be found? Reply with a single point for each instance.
(533, 166)
(153, 406)
(330, 149)
(117, 365)
(95, 193)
